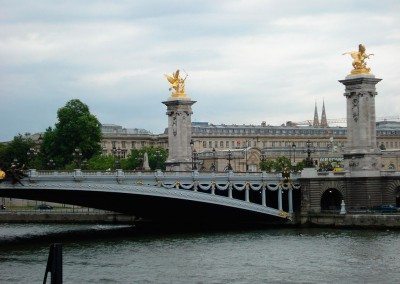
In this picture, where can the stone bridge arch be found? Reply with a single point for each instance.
(331, 195)
(393, 192)
(338, 185)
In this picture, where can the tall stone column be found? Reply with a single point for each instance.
(361, 149)
(179, 112)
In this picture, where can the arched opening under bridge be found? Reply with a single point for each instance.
(331, 199)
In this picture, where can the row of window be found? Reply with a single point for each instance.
(269, 131)
(266, 144)
(126, 144)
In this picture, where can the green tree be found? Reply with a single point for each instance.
(17, 149)
(101, 163)
(76, 128)
(267, 165)
(157, 155)
(281, 163)
(299, 166)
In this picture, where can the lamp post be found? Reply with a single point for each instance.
(294, 152)
(31, 153)
(77, 154)
(15, 162)
(158, 156)
(229, 160)
(117, 154)
(193, 151)
(245, 149)
(213, 166)
(194, 159)
(51, 164)
(309, 162)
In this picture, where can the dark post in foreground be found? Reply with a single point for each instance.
(54, 265)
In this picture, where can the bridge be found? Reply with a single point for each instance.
(174, 196)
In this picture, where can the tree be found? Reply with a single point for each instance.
(16, 149)
(281, 163)
(267, 165)
(76, 128)
(157, 157)
(101, 163)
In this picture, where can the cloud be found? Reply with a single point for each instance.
(248, 61)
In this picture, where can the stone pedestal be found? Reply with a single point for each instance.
(362, 152)
(179, 111)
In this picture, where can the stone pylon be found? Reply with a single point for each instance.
(179, 112)
(361, 149)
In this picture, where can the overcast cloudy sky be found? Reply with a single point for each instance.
(248, 61)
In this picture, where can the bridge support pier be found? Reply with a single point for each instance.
(264, 197)
(280, 199)
(230, 192)
(290, 200)
(247, 196)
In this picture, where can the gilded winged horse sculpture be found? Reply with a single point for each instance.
(177, 84)
(359, 57)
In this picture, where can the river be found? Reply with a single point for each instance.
(122, 254)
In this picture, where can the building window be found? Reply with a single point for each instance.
(216, 144)
(113, 144)
(204, 144)
(221, 144)
(210, 144)
(227, 144)
(123, 144)
(133, 144)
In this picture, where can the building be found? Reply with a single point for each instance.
(249, 144)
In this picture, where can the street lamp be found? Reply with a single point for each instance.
(294, 152)
(229, 160)
(51, 164)
(158, 156)
(263, 158)
(309, 162)
(246, 146)
(117, 154)
(213, 166)
(15, 162)
(193, 151)
(195, 155)
(31, 153)
(77, 154)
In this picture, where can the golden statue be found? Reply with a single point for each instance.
(359, 57)
(177, 85)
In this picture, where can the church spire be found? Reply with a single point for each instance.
(324, 121)
(316, 120)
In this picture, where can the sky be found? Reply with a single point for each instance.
(247, 61)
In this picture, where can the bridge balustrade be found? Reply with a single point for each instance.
(194, 181)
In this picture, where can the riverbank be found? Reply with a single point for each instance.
(365, 220)
(65, 217)
(369, 221)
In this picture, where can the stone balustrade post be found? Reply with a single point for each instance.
(264, 197)
(230, 195)
(290, 200)
(247, 196)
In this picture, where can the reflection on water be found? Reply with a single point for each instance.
(107, 254)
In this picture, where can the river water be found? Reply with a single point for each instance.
(121, 254)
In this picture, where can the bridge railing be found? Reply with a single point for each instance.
(196, 181)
